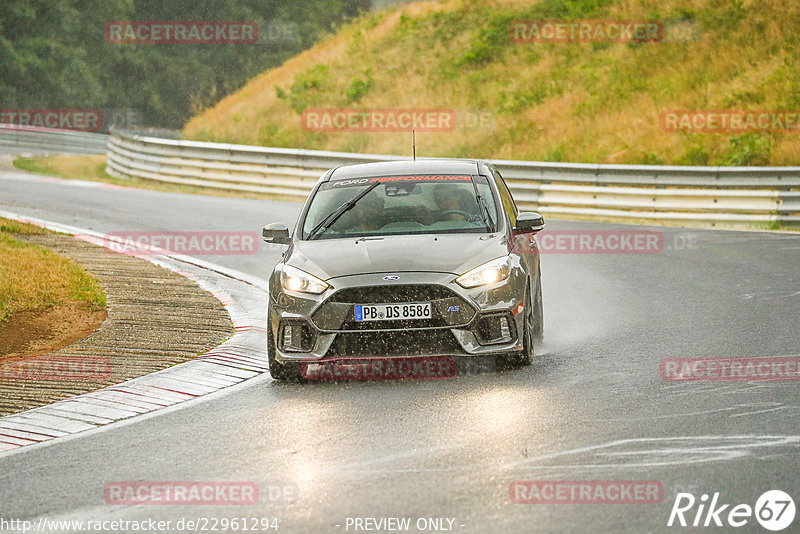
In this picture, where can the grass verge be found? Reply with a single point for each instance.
(33, 277)
(594, 102)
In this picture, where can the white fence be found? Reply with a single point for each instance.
(730, 196)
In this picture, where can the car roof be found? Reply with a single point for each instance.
(407, 167)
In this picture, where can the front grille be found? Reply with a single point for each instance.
(393, 293)
(402, 343)
(448, 309)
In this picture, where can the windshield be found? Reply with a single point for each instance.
(401, 205)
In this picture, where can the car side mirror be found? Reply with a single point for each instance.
(277, 233)
(529, 221)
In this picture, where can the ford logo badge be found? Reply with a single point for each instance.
(391, 277)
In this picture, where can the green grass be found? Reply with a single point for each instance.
(579, 102)
(33, 277)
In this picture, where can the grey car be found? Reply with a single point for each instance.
(412, 259)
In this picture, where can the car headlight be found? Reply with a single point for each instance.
(293, 279)
(490, 272)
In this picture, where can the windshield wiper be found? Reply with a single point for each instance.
(328, 221)
(487, 219)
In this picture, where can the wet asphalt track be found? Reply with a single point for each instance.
(592, 407)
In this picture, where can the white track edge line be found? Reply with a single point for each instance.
(163, 260)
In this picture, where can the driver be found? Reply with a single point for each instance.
(369, 213)
(450, 199)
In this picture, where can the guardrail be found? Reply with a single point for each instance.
(730, 196)
(48, 140)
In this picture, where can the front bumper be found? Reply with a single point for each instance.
(478, 321)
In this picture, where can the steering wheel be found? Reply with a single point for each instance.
(456, 212)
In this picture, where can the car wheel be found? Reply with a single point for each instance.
(280, 371)
(529, 335)
(538, 314)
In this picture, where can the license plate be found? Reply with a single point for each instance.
(393, 312)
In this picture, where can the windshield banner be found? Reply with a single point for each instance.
(411, 178)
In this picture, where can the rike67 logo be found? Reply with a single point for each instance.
(774, 510)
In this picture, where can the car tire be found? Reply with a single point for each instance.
(529, 333)
(538, 314)
(280, 371)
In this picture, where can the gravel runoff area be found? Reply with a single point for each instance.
(156, 319)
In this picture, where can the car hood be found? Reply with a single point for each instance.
(448, 253)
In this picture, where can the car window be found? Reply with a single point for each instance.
(401, 205)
